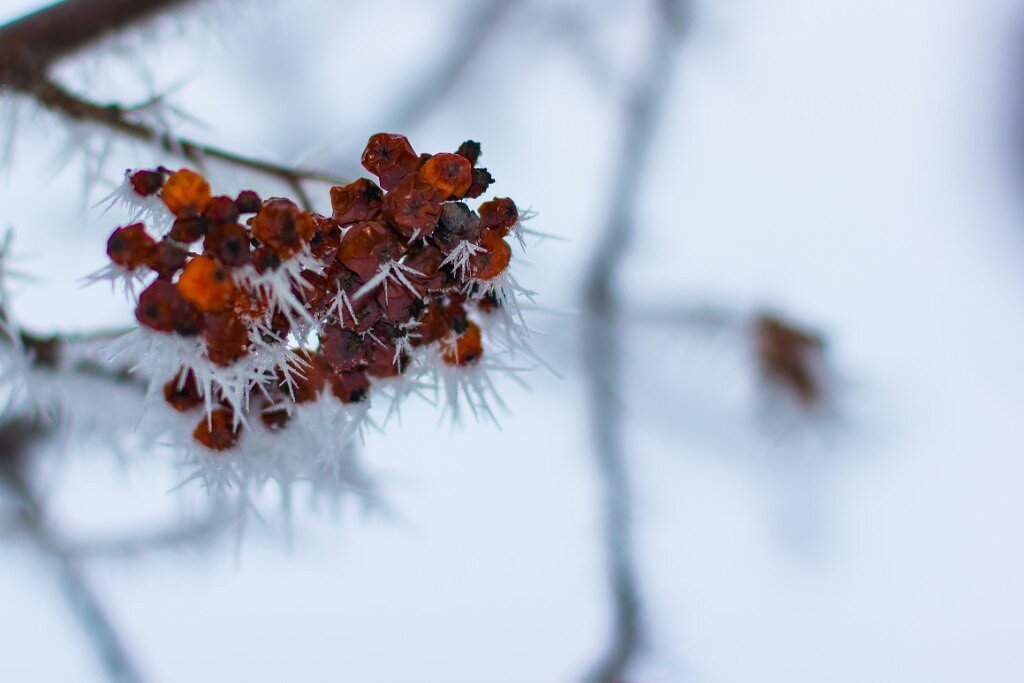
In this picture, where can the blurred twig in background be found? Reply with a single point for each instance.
(17, 438)
(602, 329)
(29, 46)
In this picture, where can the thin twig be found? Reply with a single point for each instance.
(600, 339)
(16, 438)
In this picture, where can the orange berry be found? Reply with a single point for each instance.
(493, 260)
(207, 285)
(282, 226)
(217, 432)
(466, 349)
(499, 214)
(130, 246)
(451, 174)
(186, 193)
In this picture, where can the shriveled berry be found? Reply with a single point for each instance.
(426, 261)
(226, 337)
(413, 207)
(466, 349)
(397, 303)
(366, 246)
(221, 210)
(367, 313)
(189, 230)
(458, 224)
(248, 202)
(228, 243)
(390, 157)
(386, 361)
(162, 308)
(493, 260)
(350, 387)
(344, 350)
(182, 392)
(146, 183)
(355, 202)
(217, 431)
(499, 214)
(130, 246)
(470, 150)
(167, 258)
(482, 179)
(283, 226)
(186, 193)
(207, 285)
(451, 174)
(326, 238)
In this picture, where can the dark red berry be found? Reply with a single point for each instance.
(390, 157)
(217, 431)
(248, 202)
(228, 243)
(355, 202)
(130, 246)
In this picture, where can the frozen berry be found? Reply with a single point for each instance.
(248, 202)
(308, 377)
(499, 215)
(166, 259)
(283, 226)
(189, 230)
(385, 361)
(228, 243)
(344, 350)
(493, 260)
(217, 431)
(130, 246)
(451, 174)
(466, 349)
(221, 210)
(326, 238)
(366, 246)
(482, 179)
(146, 183)
(426, 261)
(186, 193)
(350, 387)
(226, 336)
(207, 285)
(355, 202)
(458, 224)
(182, 392)
(265, 259)
(413, 207)
(390, 157)
(162, 308)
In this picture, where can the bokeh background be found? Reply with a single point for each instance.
(855, 166)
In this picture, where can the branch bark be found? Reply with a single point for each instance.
(601, 340)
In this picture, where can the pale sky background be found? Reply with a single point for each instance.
(852, 163)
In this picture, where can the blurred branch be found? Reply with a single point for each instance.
(30, 45)
(600, 339)
(38, 39)
(16, 439)
(483, 22)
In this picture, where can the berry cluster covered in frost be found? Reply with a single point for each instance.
(254, 308)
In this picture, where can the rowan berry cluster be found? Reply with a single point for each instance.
(281, 306)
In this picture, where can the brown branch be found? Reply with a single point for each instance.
(17, 437)
(601, 339)
(37, 40)
(29, 46)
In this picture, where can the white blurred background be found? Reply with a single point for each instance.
(856, 165)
